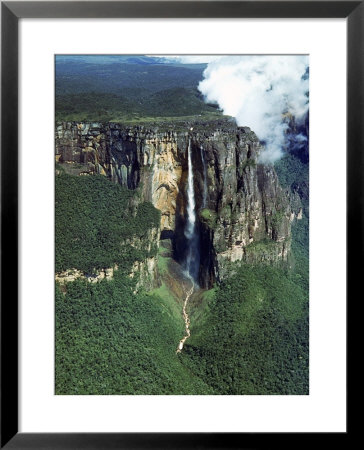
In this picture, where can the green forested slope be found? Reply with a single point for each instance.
(111, 341)
(93, 218)
(254, 339)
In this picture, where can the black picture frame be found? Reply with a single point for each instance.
(11, 12)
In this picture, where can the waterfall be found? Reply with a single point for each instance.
(204, 193)
(193, 255)
(191, 214)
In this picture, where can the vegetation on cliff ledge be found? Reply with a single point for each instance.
(96, 221)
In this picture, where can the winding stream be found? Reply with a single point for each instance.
(186, 319)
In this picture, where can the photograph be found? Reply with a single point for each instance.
(181, 224)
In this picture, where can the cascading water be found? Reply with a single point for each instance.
(193, 255)
(204, 193)
(192, 261)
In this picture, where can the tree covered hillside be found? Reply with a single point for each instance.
(128, 90)
(94, 218)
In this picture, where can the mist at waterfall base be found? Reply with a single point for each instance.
(261, 92)
(192, 261)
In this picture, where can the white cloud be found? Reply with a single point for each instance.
(257, 90)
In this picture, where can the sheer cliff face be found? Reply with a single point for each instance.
(248, 215)
(244, 214)
(135, 158)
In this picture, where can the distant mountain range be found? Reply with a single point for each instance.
(110, 59)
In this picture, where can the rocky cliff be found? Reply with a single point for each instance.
(243, 212)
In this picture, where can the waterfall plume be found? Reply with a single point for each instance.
(192, 261)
